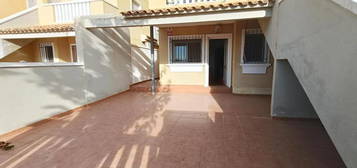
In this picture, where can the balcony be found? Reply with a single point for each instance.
(67, 12)
(57, 13)
(184, 2)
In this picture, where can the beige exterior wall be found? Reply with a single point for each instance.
(9, 7)
(167, 77)
(61, 47)
(24, 54)
(241, 83)
(31, 52)
(248, 83)
(46, 15)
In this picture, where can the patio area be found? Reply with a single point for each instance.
(169, 130)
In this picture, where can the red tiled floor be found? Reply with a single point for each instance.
(168, 130)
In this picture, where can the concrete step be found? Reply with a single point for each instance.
(146, 87)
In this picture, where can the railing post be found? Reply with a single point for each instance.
(153, 88)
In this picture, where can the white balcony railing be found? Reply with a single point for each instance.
(182, 2)
(68, 11)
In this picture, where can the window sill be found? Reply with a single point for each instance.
(36, 64)
(254, 68)
(186, 67)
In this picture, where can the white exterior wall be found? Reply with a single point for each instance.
(106, 53)
(141, 64)
(319, 37)
(32, 93)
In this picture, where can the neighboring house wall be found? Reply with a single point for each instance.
(27, 19)
(42, 92)
(318, 38)
(31, 94)
(9, 7)
(31, 52)
(26, 53)
(45, 13)
(61, 48)
(9, 46)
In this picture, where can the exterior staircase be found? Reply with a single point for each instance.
(318, 38)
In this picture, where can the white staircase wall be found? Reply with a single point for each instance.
(319, 39)
(27, 17)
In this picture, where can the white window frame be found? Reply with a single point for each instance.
(185, 37)
(70, 49)
(42, 54)
(254, 68)
(229, 38)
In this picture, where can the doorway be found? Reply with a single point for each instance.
(217, 61)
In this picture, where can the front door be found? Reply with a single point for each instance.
(218, 61)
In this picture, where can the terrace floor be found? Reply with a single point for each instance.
(169, 130)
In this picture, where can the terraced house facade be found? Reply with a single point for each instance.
(73, 53)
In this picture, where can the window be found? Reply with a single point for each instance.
(73, 48)
(186, 50)
(135, 5)
(47, 52)
(255, 47)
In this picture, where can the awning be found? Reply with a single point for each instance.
(204, 13)
(39, 31)
(202, 8)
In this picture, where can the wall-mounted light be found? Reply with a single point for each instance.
(170, 31)
(217, 28)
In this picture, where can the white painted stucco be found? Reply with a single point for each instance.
(37, 91)
(318, 38)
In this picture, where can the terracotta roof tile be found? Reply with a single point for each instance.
(239, 4)
(39, 29)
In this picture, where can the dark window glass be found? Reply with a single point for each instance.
(254, 48)
(49, 53)
(74, 53)
(186, 51)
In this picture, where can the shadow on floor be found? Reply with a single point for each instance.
(168, 130)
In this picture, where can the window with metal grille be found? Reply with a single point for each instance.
(47, 52)
(255, 47)
(186, 49)
(73, 49)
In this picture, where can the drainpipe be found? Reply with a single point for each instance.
(152, 59)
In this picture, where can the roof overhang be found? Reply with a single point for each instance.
(106, 21)
(37, 35)
(38, 31)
